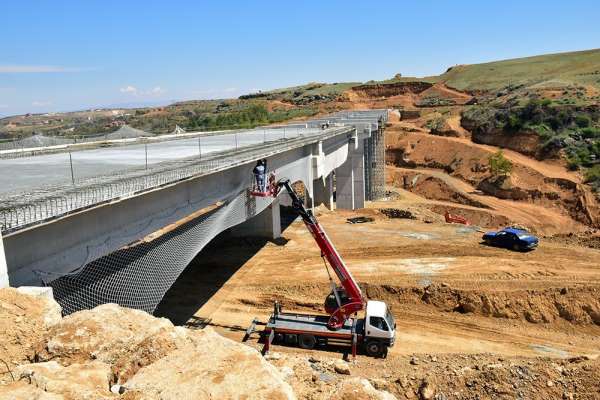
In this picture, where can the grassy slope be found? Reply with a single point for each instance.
(297, 93)
(551, 70)
(543, 71)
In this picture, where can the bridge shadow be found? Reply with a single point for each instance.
(208, 272)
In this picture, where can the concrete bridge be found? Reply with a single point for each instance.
(129, 245)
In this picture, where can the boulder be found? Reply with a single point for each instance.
(426, 390)
(341, 367)
(23, 391)
(443, 128)
(24, 318)
(52, 310)
(359, 389)
(77, 381)
(211, 367)
(123, 338)
(503, 188)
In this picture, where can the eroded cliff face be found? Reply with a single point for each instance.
(392, 89)
(525, 142)
(530, 181)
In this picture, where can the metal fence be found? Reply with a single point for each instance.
(96, 191)
(37, 141)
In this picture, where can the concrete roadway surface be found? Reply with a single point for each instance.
(29, 173)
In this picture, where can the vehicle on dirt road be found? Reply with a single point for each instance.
(511, 238)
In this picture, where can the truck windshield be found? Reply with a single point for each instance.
(390, 319)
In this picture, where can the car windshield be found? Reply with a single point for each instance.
(525, 236)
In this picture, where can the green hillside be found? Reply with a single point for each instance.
(545, 71)
(304, 94)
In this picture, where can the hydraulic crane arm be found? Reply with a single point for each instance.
(349, 298)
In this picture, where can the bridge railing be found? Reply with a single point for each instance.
(93, 192)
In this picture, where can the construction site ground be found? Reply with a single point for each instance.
(452, 296)
(473, 321)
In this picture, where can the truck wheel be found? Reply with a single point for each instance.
(307, 341)
(291, 339)
(374, 348)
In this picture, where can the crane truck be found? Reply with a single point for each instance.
(374, 332)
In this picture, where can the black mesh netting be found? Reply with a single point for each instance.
(138, 276)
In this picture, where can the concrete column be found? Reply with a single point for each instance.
(344, 183)
(324, 191)
(358, 166)
(267, 224)
(308, 200)
(3, 266)
(350, 179)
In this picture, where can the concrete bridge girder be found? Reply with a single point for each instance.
(75, 240)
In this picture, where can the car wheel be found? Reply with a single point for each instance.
(374, 348)
(307, 341)
(516, 247)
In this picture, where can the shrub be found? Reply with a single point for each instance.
(435, 124)
(591, 133)
(582, 121)
(499, 165)
(593, 174)
(573, 163)
(514, 123)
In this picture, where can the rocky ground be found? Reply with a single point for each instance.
(112, 352)
(116, 353)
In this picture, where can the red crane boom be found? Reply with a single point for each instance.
(343, 301)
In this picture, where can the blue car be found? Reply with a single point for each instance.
(511, 238)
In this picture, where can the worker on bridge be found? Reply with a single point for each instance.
(260, 172)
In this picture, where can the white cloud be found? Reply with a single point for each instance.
(157, 90)
(27, 69)
(41, 103)
(132, 90)
(129, 89)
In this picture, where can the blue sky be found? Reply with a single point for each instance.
(69, 55)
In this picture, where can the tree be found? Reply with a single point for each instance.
(499, 165)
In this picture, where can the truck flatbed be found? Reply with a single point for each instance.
(315, 324)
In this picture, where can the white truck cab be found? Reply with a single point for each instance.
(380, 328)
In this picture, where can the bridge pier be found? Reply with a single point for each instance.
(323, 189)
(3, 266)
(266, 224)
(350, 178)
